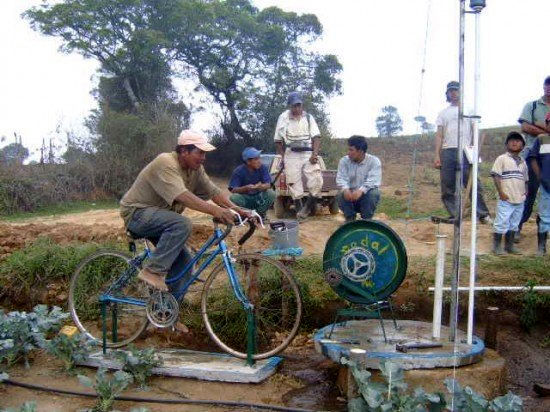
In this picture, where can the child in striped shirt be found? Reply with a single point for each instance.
(510, 176)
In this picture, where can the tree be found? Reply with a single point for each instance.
(389, 122)
(13, 154)
(248, 60)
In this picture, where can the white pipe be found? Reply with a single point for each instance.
(438, 296)
(497, 288)
(475, 163)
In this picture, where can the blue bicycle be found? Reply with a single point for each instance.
(244, 295)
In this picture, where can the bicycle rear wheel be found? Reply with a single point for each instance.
(93, 276)
(272, 290)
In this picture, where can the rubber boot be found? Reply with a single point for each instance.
(541, 240)
(306, 208)
(517, 236)
(497, 244)
(509, 243)
(314, 206)
(298, 206)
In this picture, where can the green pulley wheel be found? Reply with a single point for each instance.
(364, 261)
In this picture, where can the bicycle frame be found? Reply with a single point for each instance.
(217, 239)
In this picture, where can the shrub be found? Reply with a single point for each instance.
(107, 388)
(22, 332)
(393, 396)
(70, 350)
(139, 363)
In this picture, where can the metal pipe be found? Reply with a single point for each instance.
(438, 296)
(458, 183)
(496, 288)
(475, 163)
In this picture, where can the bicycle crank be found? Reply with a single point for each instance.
(162, 309)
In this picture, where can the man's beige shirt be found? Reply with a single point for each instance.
(161, 181)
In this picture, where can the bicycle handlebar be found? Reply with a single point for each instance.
(238, 221)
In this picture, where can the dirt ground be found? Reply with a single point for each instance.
(306, 379)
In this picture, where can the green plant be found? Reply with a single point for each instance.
(22, 332)
(26, 407)
(468, 400)
(107, 388)
(139, 363)
(531, 299)
(70, 350)
(393, 396)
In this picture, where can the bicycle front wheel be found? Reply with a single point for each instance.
(93, 276)
(270, 287)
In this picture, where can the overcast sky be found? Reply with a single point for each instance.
(379, 43)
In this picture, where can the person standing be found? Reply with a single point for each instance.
(532, 120)
(359, 176)
(446, 146)
(510, 176)
(539, 158)
(250, 183)
(297, 139)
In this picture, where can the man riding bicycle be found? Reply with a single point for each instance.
(152, 207)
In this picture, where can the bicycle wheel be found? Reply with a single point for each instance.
(93, 276)
(272, 290)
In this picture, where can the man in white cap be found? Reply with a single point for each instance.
(297, 139)
(152, 207)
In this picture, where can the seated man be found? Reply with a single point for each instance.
(152, 207)
(250, 183)
(359, 176)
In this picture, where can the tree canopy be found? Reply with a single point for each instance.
(389, 122)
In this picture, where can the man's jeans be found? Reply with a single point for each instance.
(365, 205)
(507, 216)
(544, 210)
(532, 189)
(168, 231)
(449, 165)
(260, 202)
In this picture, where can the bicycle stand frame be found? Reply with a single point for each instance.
(372, 311)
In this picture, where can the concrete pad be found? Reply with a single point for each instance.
(363, 342)
(207, 366)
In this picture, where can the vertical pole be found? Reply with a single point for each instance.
(491, 327)
(475, 163)
(114, 313)
(104, 324)
(458, 181)
(438, 287)
(251, 337)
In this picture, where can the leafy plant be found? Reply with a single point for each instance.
(393, 396)
(468, 400)
(26, 407)
(22, 332)
(531, 300)
(70, 350)
(139, 363)
(107, 388)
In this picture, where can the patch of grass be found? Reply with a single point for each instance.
(41, 263)
(396, 208)
(64, 208)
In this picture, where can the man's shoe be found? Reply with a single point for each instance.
(306, 208)
(497, 244)
(153, 279)
(486, 220)
(517, 236)
(541, 240)
(509, 243)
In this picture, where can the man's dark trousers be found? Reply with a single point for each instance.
(449, 165)
(365, 205)
(532, 189)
